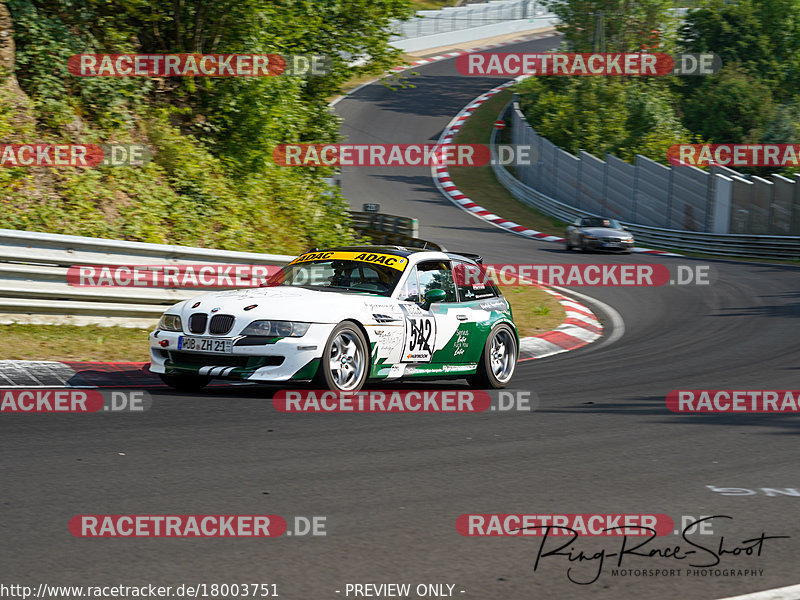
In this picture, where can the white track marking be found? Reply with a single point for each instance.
(791, 592)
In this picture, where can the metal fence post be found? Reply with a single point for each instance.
(668, 220)
(635, 191)
(709, 202)
(723, 192)
(794, 228)
(605, 181)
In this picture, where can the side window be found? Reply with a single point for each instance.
(410, 291)
(436, 275)
(467, 290)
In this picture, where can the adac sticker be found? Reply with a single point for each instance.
(388, 260)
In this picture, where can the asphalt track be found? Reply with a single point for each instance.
(393, 485)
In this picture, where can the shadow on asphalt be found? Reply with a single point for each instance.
(448, 90)
(656, 406)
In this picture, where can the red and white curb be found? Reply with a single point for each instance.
(441, 177)
(445, 56)
(51, 373)
(580, 327)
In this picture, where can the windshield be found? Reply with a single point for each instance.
(600, 222)
(340, 275)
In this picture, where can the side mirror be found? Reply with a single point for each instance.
(432, 296)
(625, 228)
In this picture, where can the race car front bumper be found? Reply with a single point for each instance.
(251, 358)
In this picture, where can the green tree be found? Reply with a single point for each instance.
(627, 24)
(730, 107)
(762, 37)
(620, 116)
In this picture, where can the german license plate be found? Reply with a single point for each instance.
(199, 344)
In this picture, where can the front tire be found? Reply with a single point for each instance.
(498, 362)
(345, 361)
(185, 383)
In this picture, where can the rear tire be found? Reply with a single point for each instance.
(185, 383)
(498, 361)
(567, 244)
(345, 362)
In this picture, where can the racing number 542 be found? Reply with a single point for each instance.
(421, 330)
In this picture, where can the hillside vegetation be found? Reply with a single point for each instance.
(212, 181)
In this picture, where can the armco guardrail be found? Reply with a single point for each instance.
(34, 288)
(458, 25)
(469, 16)
(385, 223)
(732, 244)
(390, 229)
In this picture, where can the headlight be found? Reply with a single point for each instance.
(590, 237)
(628, 240)
(276, 328)
(170, 322)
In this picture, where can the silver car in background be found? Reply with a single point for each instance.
(599, 233)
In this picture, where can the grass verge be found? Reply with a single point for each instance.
(534, 312)
(479, 183)
(432, 4)
(73, 343)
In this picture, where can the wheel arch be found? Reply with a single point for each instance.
(511, 324)
(363, 331)
(356, 324)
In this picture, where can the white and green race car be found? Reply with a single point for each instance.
(341, 317)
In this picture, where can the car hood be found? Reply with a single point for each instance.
(606, 232)
(282, 304)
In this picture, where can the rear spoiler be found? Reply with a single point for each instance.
(471, 255)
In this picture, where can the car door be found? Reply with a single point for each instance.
(480, 307)
(454, 319)
(419, 332)
(421, 323)
(428, 329)
(457, 319)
